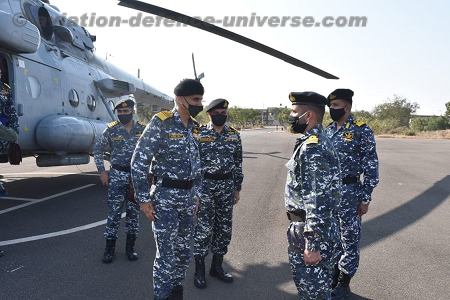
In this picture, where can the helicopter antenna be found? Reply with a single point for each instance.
(193, 63)
(195, 72)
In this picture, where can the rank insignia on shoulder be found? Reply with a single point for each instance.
(236, 131)
(359, 123)
(112, 124)
(210, 139)
(119, 138)
(142, 123)
(138, 133)
(7, 85)
(176, 136)
(231, 132)
(312, 140)
(164, 115)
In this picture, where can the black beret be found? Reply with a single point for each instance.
(218, 103)
(189, 87)
(344, 94)
(307, 98)
(126, 103)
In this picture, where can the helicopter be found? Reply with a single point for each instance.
(64, 93)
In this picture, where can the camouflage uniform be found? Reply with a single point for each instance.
(355, 143)
(8, 114)
(172, 151)
(221, 153)
(121, 144)
(313, 186)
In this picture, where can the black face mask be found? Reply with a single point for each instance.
(219, 120)
(337, 114)
(194, 110)
(125, 119)
(295, 127)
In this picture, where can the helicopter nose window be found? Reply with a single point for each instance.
(73, 98)
(91, 103)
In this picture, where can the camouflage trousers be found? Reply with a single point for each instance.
(314, 282)
(118, 189)
(173, 232)
(214, 217)
(350, 228)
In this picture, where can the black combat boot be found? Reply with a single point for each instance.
(217, 270)
(131, 253)
(342, 289)
(199, 279)
(176, 293)
(335, 276)
(109, 251)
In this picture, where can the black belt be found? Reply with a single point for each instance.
(296, 216)
(121, 168)
(349, 179)
(176, 184)
(218, 176)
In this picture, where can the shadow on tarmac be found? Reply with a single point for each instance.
(405, 215)
(271, 154)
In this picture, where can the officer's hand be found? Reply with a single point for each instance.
(362, 209)
(311, 258)
(237, 197)
(104, 178)
(149, 211)
(196, 207)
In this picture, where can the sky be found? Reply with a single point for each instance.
(403, 50)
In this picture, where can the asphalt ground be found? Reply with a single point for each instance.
(52, 224)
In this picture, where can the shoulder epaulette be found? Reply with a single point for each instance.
(7, 85)
(164, 115)
(359, 123)
(142, 123)
(195, 122)
(312, 140)
(232, 128)
(329, 124)
(112, 124)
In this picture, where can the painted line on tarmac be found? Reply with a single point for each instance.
(44, 199)
(19, 199)
(47, 173)
(55, 234)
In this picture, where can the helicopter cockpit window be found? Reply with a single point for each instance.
(91, 103)
(73, 98)
(43, 21)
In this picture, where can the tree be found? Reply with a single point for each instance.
(397, 111)
(447, 113)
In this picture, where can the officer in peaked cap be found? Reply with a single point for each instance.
(125, 103)
(355, 143)
(121, 138)
(221, 155)
(311, 195)
(169, 145)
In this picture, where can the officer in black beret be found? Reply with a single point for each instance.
(169, 145)
(120, 138)
(355, 143)
(221, 156)
(311, 196)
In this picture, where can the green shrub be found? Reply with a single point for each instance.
(409, 133)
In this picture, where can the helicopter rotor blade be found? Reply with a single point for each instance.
(175, 16)
(193, 63)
